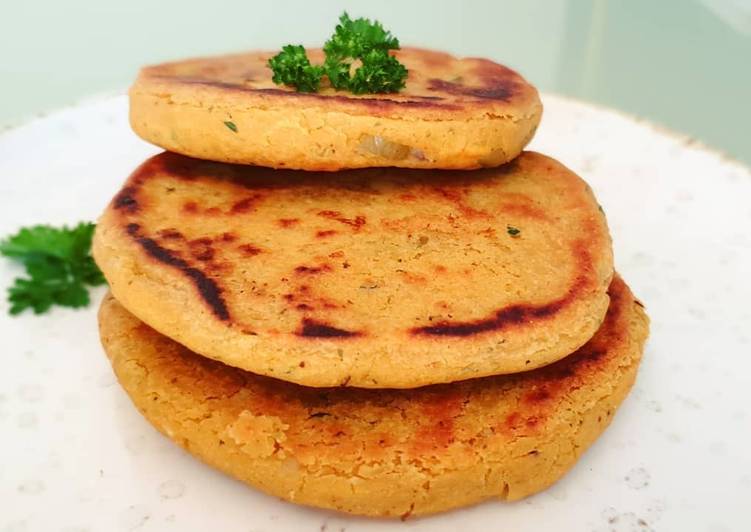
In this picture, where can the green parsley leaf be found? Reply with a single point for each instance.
(380, 72)
(357, 38)
(360, 41)
(231, 125)
(292, 67)
(513, 231)
(59, 266)
(338, 72)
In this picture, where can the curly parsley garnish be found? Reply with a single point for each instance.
(58, 265)
(360, 44)
(292, 67)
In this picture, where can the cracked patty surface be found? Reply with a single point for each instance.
(383, 452)
(380, 278)
(454, 113)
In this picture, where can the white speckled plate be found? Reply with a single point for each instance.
(77, 456)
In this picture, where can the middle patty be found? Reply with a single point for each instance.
(377, 278)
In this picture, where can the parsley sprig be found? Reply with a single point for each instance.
(58, 265)
(360, 42)
(292, 67)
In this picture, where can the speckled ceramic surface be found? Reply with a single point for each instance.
(77, 456)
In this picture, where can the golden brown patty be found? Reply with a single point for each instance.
(383, 452)
(453, 113)
(380, 278)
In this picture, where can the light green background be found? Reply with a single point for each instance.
(682, 63)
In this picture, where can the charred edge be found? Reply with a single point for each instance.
(597, 348)
(520, 313)
(176, 165)
(513, 315)
(314, 329)
(126, 200)
(593, 354)
(373, 103)
(510, 167)
(207, 288)
(429, 102)
(169, 163)
(496, 89)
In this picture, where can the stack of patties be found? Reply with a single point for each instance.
(439, 327)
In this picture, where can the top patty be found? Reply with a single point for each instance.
(453, 113)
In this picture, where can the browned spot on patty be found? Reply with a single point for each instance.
(216, 268)
(312, 270)
(190, 207)
(357, 222)
(439, 413)
(495, 89)
(249, 250)
(326, 233)
(207, 287)
(287, 222)
(126, 200)
(303, 299)
(202, 249)
(538, 395)
(170, 234)
(511, 422)
(244, 205)
(457, 197)
(315, 329)
(413, 278)
(523, 210)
